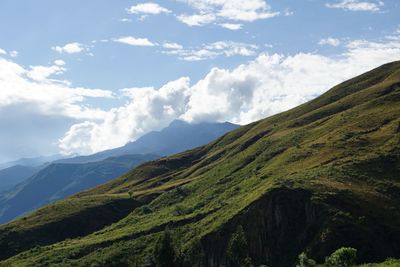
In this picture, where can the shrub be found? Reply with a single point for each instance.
(164, 253)
(237, 248)
(304, 261)
(343, 257)
(194, 256)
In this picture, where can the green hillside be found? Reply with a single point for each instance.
(60, 180)
(315, 178)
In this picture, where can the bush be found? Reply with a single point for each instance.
(164, 253)
(343, 257)
(194, 256)
(237, 248)
(304, 261)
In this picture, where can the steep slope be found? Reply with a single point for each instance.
(177, 137)
(315, 178)
(58, 181)
(14, 175)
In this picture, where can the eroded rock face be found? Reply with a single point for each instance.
(286, 222)
(280, 223)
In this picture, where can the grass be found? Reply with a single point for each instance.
(334, 148)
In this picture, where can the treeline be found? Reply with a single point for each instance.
(166, 254)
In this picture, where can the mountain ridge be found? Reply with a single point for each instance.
(315, 178)
(176, 137)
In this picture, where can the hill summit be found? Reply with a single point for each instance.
(315, 178)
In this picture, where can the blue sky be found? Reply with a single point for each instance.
(78, 77)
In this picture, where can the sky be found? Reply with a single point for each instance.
(78, 77)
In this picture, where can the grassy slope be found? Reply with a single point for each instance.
(58, 181)
(343, 146)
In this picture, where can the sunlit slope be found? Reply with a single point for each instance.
(317, 177)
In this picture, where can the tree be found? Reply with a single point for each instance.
(194, 256)
(304, 261)
(238, 249)
(164, 252)
(343, 257)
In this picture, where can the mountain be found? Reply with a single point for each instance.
(14, 175)
(315, 178)
(60, 180)
(65, 177)
(30, 162)
(177, 137)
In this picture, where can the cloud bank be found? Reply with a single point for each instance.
(269, 84)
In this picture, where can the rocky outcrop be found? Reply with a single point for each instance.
(281, 223)
(285, 222)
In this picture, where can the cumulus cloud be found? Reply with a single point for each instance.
(269, 84)
(231, 26)
(172, 46)
(41, 73)
(197, 19)
(213, 50)
(329, 41)
(357, 5)
(3, 52)
(130, 40)
(148, 109)
(148, 8)
(59, 62)
(70, 48)
(221, 10)
(36, 110)
(14, 53)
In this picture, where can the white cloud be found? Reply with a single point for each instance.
(329, 41)
(231, 26)
(172, 46)
(148, 8)
(129, 40)
(357, 5)
(41, 73)
(13, 53)
(149, 109)
(208, 11)
(3, 52)
(125, 20)
(51, 97)
(71, 48)
(267, 85)
(44, 109)
(287, 12)
(213, 50)
(197, 19)
(59, 62)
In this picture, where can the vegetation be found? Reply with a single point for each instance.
(304, 261)
(330, 165)
(343, 257)
(164, 252)
(238, 248)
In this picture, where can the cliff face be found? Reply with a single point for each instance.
(282, 222)
(315, 178)
(285, 222)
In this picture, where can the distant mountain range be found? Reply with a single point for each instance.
(47, 183)
(321, 176)
(177, 137)
(30, 162)
(12, 176)
(59, 180)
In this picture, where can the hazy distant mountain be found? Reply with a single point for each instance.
(60, 180)
(11, 176)
(177, 137)
(65, 177)
(318, 177)
(30, 162)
